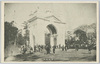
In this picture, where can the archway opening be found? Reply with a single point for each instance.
(52, 29)
(50, 35)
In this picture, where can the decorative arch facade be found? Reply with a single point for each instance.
(38, 27)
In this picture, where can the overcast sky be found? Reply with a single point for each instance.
(73, 14)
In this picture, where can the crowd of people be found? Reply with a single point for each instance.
(48, 48)
(38, 48)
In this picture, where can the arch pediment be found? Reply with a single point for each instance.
(51, 18)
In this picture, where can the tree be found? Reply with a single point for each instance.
(86, 28)
(81, 34)
(93, 26)
(10, 33)
(20, 39)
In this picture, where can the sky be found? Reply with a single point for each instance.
(73, 14)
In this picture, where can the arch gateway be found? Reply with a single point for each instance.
(48, 30)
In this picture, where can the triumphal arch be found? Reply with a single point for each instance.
(48, 30)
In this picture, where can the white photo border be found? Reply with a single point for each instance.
(2, 28)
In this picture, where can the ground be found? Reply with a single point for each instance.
(70, 55)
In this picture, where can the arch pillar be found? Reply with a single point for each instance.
(32, 40)
(53, 40)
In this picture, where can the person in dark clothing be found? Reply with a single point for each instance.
(48, 49)
(31, 50)
(24, 50)
(39, 48)
(63, 48)
(90, 47)
(77, 45)
(54, 47)
(59, 46)
(34, 48)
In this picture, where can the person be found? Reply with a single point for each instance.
(35, 48)
(77, 45)
(42, 47)
(59, 46)
(63, 48)
(90, 47)
(47, 49)
(39, 48)
(24, 49)
(31, 50)
(66, 44)
(54, 47)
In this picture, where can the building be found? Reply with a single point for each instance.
(48, 30)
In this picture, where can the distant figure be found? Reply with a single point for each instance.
(90, 47)
(34, 48)
(66, 46)
(31, 50)
(59, 46)
(77, 45)
(23, 49)
(54, 47)
(39, 48)
(48, 49)
(63, 48)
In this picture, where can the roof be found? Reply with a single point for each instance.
(48, 18)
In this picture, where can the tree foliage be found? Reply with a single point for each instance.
(10, 33)
(81, 34)
(20, 39)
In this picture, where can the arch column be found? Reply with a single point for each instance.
(53, 39)
(31, 40)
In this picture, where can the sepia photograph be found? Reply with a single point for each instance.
(50, 31)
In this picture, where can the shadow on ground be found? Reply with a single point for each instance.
(26, 57)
